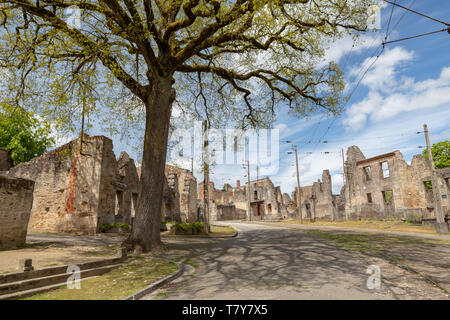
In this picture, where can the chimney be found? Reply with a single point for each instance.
(238, 183)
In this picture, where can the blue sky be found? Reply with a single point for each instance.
(408, 85)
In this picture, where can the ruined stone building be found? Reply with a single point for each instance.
(78, 190)
(318, 201)
(16, 200)
(266, 201)
(186, 191)
(385, 186)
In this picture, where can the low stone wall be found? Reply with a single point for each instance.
(16, 200)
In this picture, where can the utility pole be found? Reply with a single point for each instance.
(249, 196)
(205, 179)
(299, 196)
(441, 225)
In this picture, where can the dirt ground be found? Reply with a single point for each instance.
(51, 250)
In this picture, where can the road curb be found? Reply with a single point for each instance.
(158, 284)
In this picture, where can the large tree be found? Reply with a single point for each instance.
(247, 57)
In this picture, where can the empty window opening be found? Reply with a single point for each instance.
(255, 195)
(387, 196)
(369, 198)
(428, 186)
(385, 169)
(119, 202)
(367, 173)
(269, 208)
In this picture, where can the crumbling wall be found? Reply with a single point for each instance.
(171, 200)
(385, 186)
(16, 201)
(187, 189)
(126, 183)
(77, 189)
(317, 200)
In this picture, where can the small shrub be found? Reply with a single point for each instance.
(188, 228)
(414, 217)
(109, 226)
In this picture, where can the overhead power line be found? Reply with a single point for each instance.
(416, 12)
(417, 36)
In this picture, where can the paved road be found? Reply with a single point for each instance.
(266, 262)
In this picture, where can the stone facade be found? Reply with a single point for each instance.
(187, 190)
(78, 192)
(16, 200)
(385, 186)
(318, 201)
(266, 200)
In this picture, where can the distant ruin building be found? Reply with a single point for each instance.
(186, 191)
(16, 200)
(266, 201)
(318, 201)
(385, 186)
(78, 192)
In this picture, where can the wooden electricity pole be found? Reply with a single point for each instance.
(441, 225)
(249, 196)
(206, 179)
(299, 196)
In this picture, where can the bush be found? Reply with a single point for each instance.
(414, 217)
(109, 226)
(188, 228)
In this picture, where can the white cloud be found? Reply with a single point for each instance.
(391, 94)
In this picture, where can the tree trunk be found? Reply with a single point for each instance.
(147, 222)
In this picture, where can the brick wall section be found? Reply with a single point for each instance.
(16, 200)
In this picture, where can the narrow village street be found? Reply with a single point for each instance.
(277, 263)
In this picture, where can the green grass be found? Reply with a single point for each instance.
(222, 230)
(136, 274)
(373, 244)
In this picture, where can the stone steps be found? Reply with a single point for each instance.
(19, 285)
(14, 277)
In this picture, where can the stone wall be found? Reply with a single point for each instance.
(16, 200)
(266, 199)
(318, 201)
(187, 189)
(385, 186)
(78, 192)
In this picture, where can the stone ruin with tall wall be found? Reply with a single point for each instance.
(318, 201)
(79, 190)
(231, 203)
(386, 186)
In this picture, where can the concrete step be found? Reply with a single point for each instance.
(14, 277)
(28, 293)
(9, 289)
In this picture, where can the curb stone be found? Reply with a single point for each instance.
(154, 286)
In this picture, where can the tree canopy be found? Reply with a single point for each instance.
(229, 61)
(441, 154)
(244, 58)
(23, 134)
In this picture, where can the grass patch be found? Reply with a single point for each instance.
(390, 225)
(371, 244)
(136, 274)
(222, 230)
(106, 251)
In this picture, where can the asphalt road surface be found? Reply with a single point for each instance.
(275, 263)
